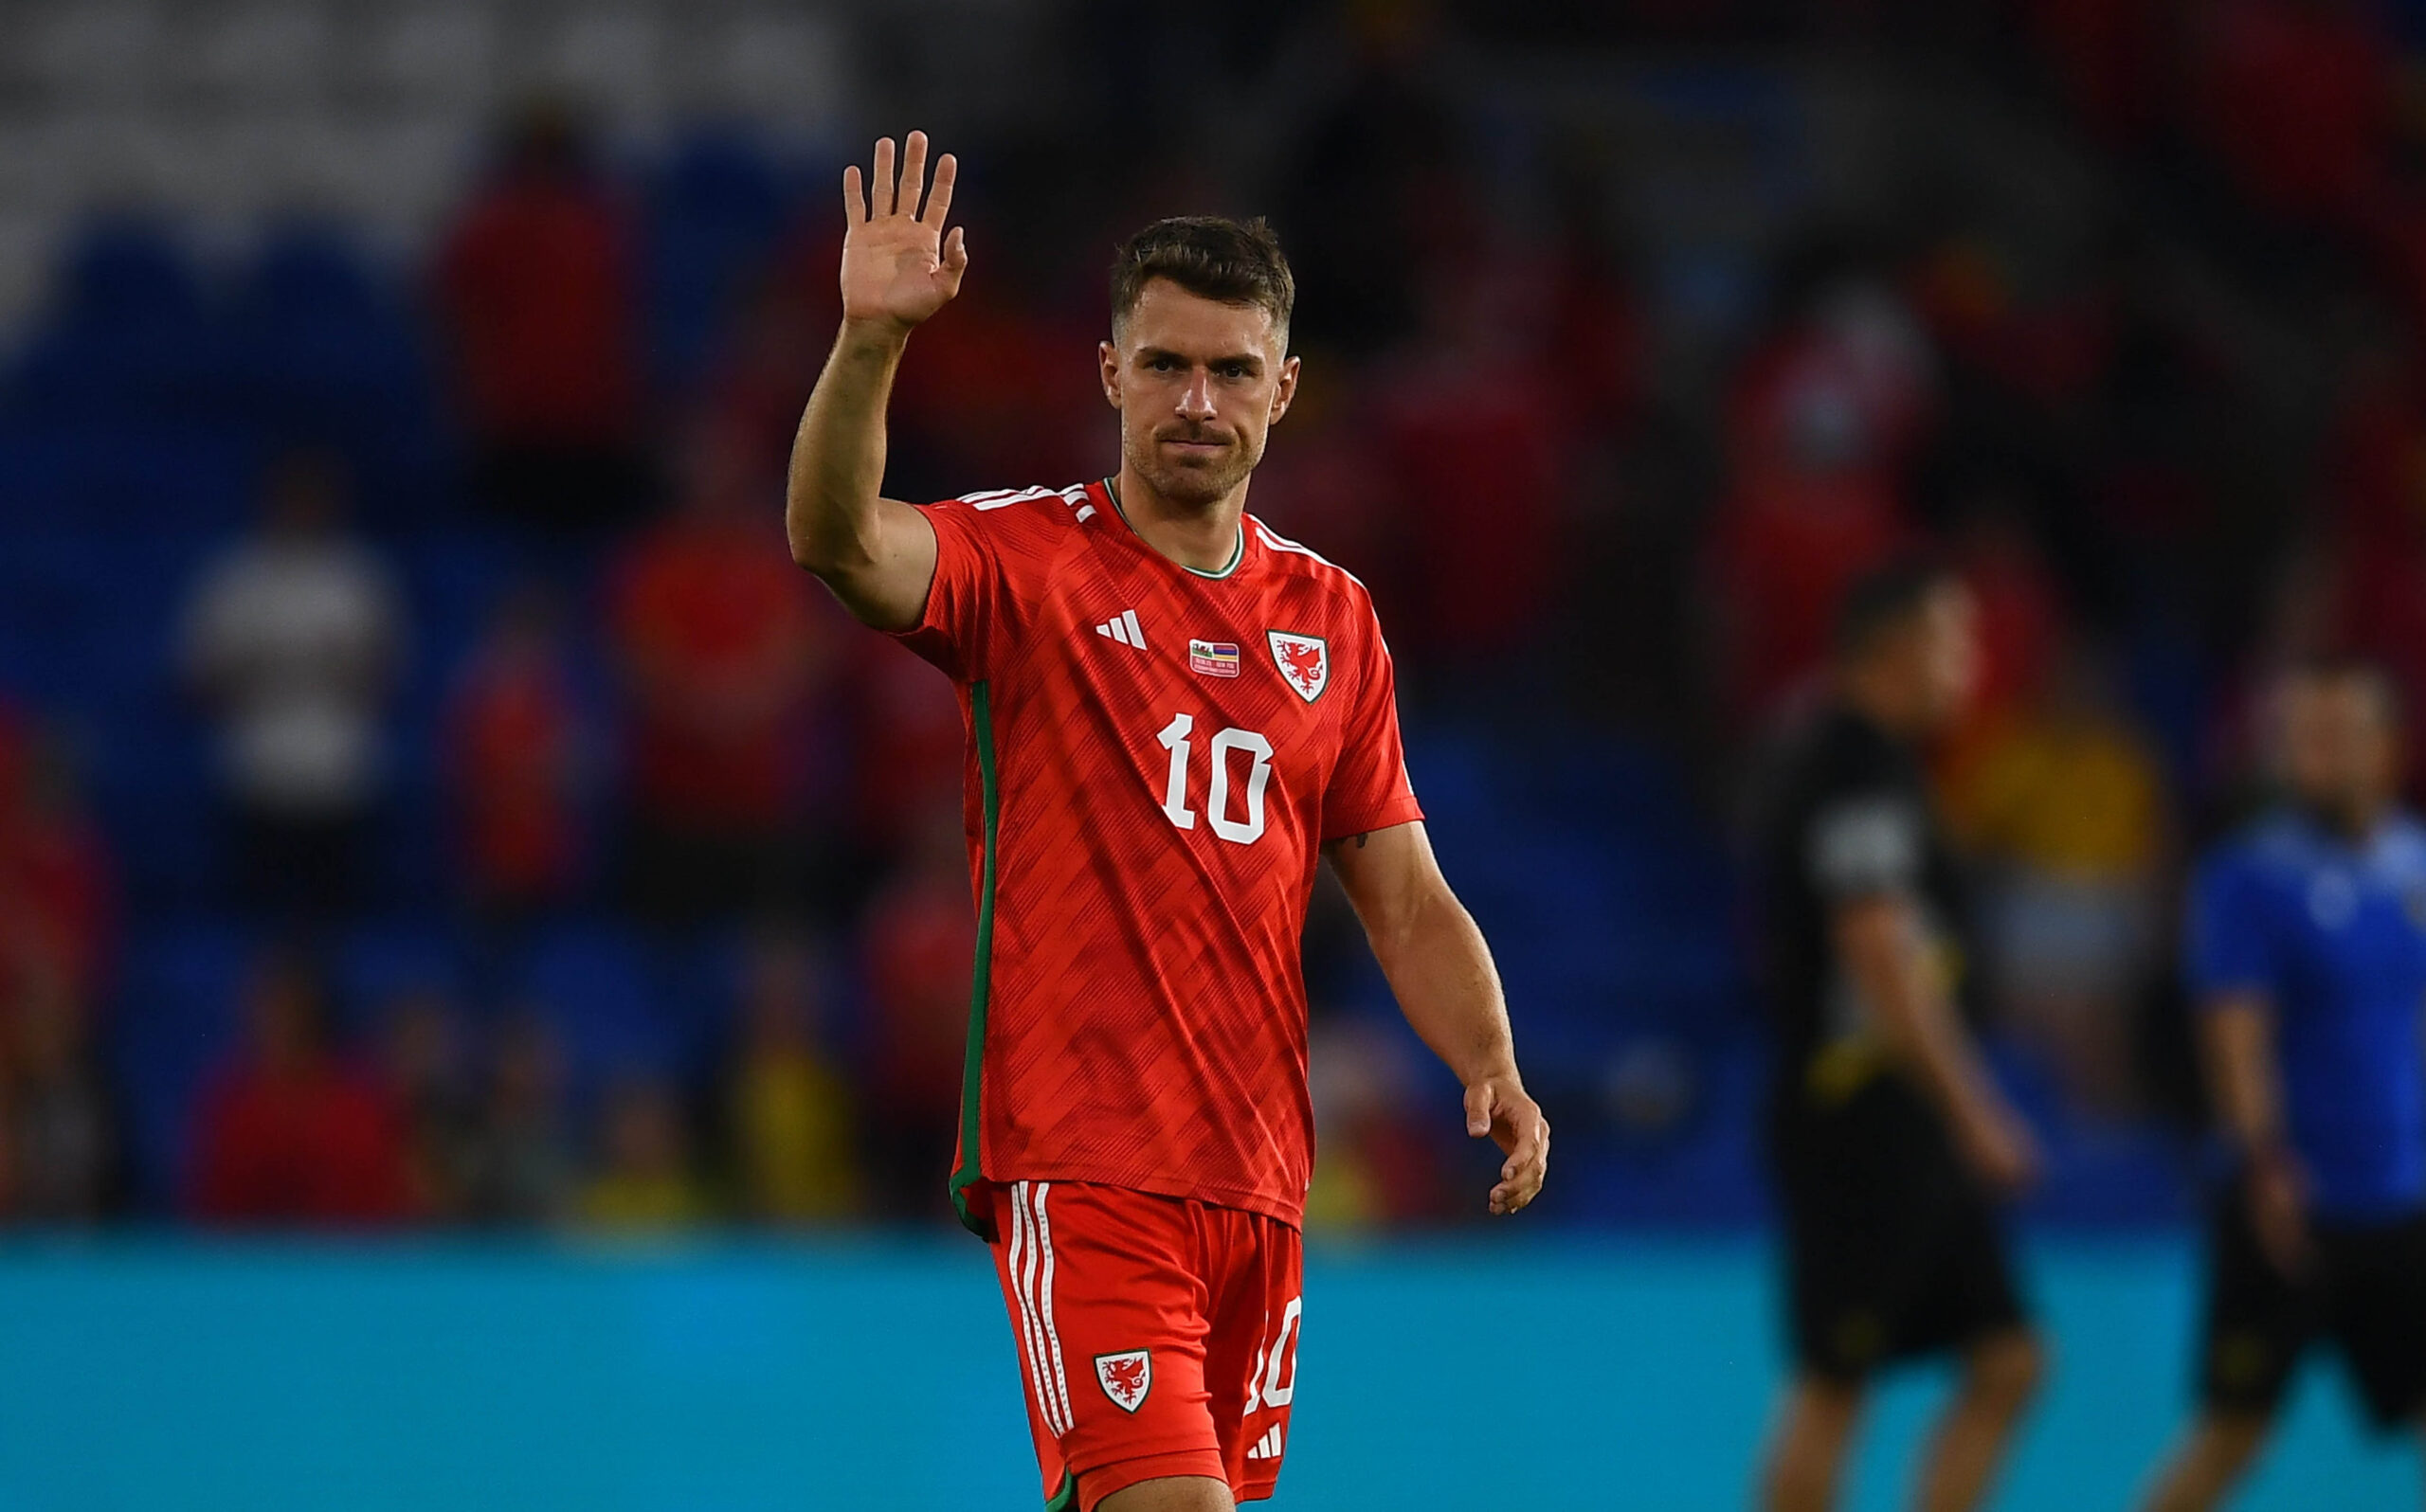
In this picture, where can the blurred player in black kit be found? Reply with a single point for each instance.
(1890, 1143)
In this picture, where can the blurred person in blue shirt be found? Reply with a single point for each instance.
(2306, 954)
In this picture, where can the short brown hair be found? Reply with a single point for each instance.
(1212, 257)
(1886, 596)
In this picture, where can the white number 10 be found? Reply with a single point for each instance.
(1217, 800)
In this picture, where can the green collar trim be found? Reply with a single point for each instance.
(1237, 553)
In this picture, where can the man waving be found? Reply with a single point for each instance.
(1173, 713)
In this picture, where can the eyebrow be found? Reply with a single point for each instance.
(1253, 360)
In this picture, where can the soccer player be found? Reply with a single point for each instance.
(1173, 712)
(1891, 1141)
(2306, 955)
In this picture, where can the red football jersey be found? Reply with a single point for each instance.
(1155, 756)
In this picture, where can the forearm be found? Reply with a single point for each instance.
(2241, 1074)
(831, 501)
(1909, 1012)
(1918, 1028)
(1440, 968)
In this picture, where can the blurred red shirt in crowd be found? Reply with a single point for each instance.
(1818, 430)
(536, 283)
(57, 900)
(2296, 95)
(910, 745)
(2109, 56)
(918, 940)
(721, 643)
(512, 759)
(1002, 389)
(1474, 453)
(290, 1134)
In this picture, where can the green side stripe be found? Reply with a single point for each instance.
(973, 1064)
(1065, 1498)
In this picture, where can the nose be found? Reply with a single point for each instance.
(1196, 399)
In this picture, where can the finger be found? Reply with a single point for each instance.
(1531, 1157)
(1482, 1100)
(939, 199)
(1512, 1197)
(1523, 1185)
(1529, 1142)
(884, 191)
(855, 203)
(914, 174)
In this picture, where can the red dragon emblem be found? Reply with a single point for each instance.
(1126, 1377)
(1304, 660)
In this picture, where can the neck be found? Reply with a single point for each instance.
(1203, 537)
(1874, 700)
(2354, 819)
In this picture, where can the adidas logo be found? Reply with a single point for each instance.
(1268, 1447)
(1123, 628)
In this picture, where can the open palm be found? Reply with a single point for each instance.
(899, 267)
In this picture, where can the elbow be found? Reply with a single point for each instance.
(805, 555)
(812, 551)
(828, 538)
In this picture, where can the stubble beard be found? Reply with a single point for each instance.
(1192, 487)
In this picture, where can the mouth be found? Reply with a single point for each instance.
(1187, 447)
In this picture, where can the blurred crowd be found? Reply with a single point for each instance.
(677, 851)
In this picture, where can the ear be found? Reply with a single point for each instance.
(1108, 356)
(1284, 390)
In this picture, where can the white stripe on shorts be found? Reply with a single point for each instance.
(1052, 1330)
(1022, 1265)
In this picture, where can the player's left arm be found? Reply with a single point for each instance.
(1441, 971)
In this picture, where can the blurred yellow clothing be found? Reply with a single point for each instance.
(792, 1120)
(636, 1203)
(1345, 1195)
(2076, 797)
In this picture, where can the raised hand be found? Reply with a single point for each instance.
(899, 267)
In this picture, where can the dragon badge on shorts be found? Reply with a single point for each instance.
(1303, 660)
(1126, 1377)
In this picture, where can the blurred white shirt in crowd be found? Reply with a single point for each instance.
(292, 640)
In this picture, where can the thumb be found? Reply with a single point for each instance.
(1482, 1100)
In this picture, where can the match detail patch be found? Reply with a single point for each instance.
(1213, 659)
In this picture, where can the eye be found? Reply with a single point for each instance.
(1235, 371)
(1162, 364)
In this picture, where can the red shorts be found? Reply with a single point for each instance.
(1157, 1335)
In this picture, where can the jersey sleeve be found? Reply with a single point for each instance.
(1865, 844)
(2227, 943)
(1369, 788)
(974, 607)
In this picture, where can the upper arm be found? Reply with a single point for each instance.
(1877, 938)
(1864, 854)
(1390, 876)
(889, 589)
(2229, 946)
(2237, 1043)
(2230, 1020)
(983, 564)
(1368, 790)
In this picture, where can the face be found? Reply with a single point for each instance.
(1198, 383)
(1939, 656)
(2340, 751)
